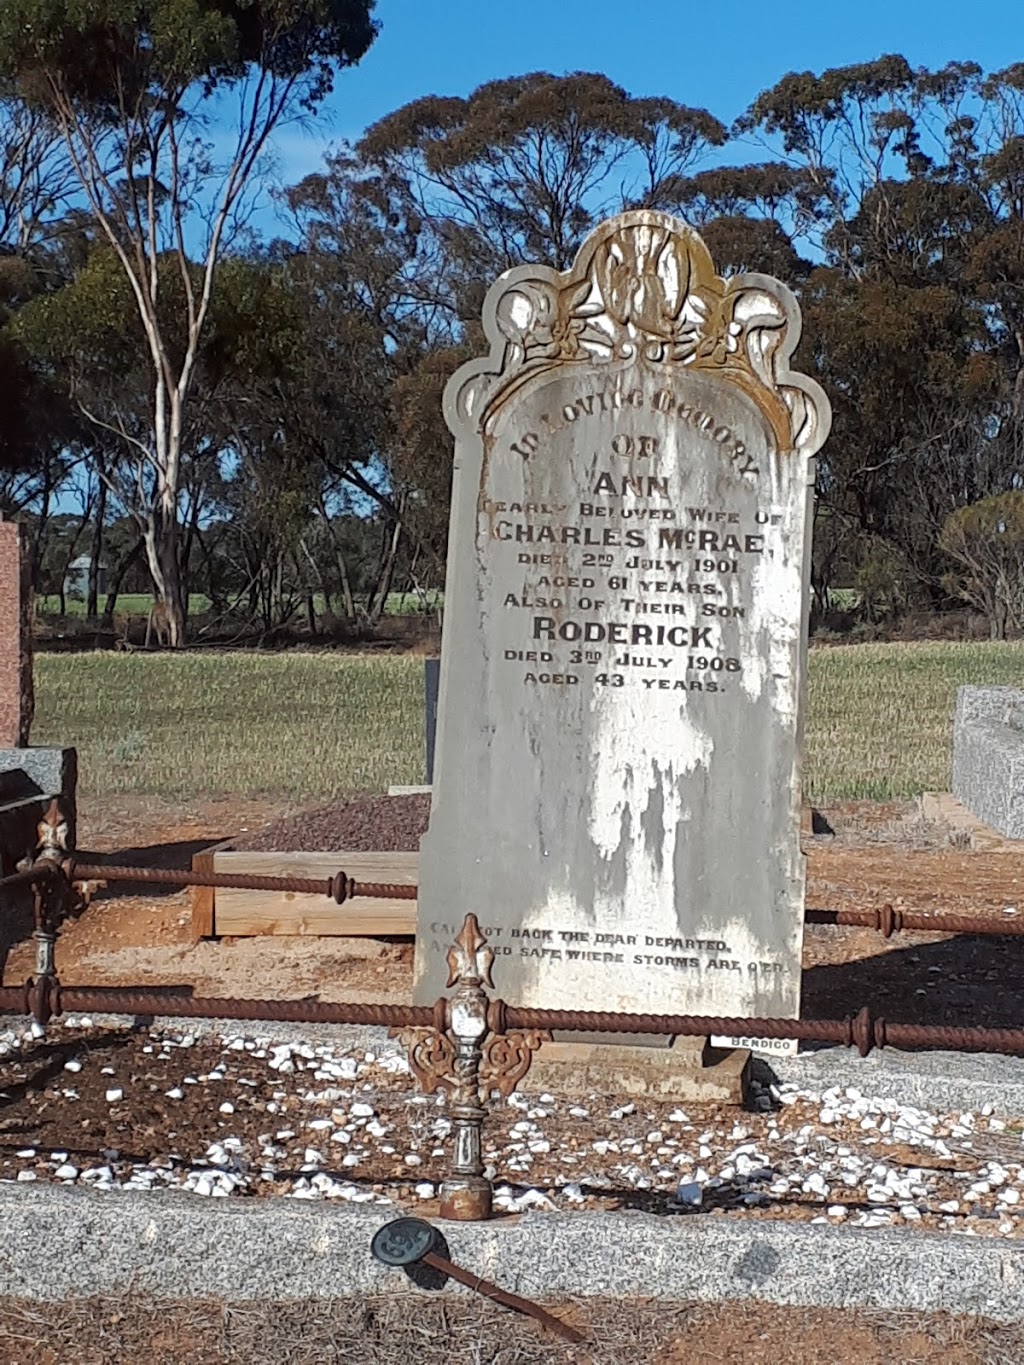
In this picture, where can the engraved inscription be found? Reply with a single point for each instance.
(657, 952)
(616, 560)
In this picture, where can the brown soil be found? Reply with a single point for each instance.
(130, 1105)
(876, 853)
(385, 824)
(441, 1329)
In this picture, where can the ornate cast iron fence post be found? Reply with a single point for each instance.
(50, 898)
(469, 1061)
(467, 1193)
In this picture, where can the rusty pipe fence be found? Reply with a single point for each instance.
(340, 888)
(468, 1045)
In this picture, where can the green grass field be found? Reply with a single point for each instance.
(311, 726)
(880, 716)
(128, 604)
(138, 604)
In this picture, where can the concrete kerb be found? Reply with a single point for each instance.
(937, 1081)
(66, 1243)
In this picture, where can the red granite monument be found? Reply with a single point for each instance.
(30, 777)
(16, 695)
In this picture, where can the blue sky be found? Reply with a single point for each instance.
(718, 56)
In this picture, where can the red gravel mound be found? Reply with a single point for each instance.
(385, 824)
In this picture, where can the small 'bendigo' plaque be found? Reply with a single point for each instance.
(617, 784)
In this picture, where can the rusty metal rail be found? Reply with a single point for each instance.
(341, 888)
(864, 1031)
(889, 921)
(30, 876)
(338, 888)
(45, 998)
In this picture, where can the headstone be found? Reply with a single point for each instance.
(16, 696)
(988, 756)
(29, 777)
(431, 683)
(617, 781)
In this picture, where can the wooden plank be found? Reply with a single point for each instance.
(245, 913)
(203, 898)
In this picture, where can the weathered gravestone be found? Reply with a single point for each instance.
(29, 776)
(617, 782)
(988, 756)
(431, 681)
(16, 695)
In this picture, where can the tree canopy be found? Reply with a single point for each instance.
(124, 86)
(262, 419)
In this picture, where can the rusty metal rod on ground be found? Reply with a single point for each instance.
(489, 1290)
(408, 1242)
(863, 1031)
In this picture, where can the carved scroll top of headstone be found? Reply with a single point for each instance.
(644, 286)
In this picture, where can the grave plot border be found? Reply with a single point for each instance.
(468, 1045)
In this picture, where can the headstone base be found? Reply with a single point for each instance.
(613, 1039)
(29, 780)
(688, 1070)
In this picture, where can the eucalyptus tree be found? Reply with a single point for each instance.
(131, 86)
(521, 170)
(914, 313)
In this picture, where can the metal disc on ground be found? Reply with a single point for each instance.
(403, 1242)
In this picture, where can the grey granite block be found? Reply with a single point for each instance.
(29, 779)
(988, 756)
(174, 1245)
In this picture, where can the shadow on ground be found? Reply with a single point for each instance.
(964, 981)
(171, 855)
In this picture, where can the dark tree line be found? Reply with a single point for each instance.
(261, 422)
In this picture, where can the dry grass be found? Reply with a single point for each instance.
(307, 726)
(880, 717)
(298, 725)
(138, 604)
(462, 1330)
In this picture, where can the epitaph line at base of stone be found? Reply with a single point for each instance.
(617, 778)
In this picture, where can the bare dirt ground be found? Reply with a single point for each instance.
(450, 1329)
(873, 853)
(142, 934)
(239, 1115)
